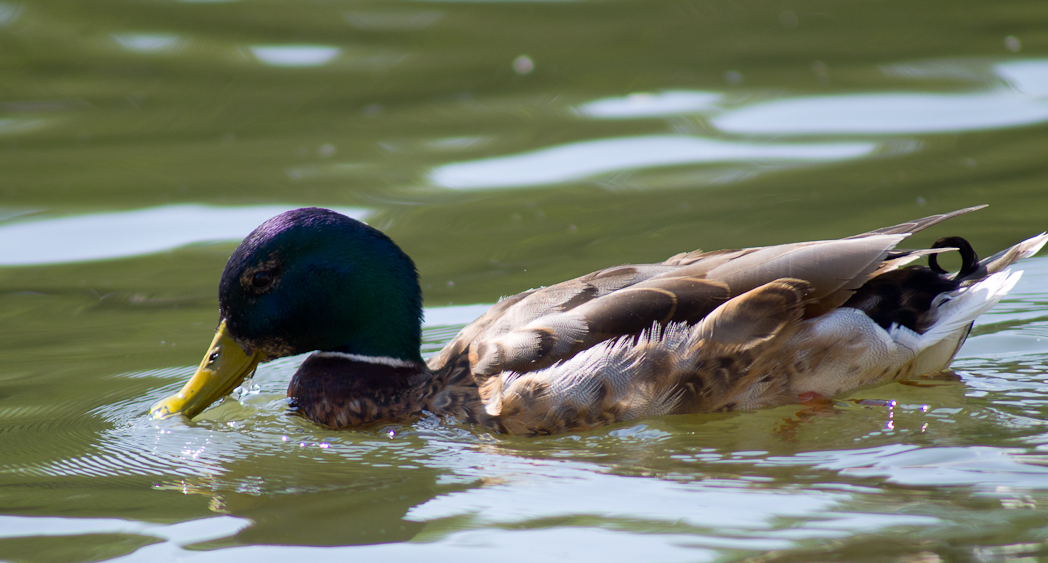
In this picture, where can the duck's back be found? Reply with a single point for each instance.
(700, 332)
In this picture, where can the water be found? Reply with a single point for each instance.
(504, 145)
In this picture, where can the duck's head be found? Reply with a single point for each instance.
(308, 279)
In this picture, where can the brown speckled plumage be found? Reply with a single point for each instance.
(321, 391)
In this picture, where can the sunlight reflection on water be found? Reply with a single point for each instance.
(976, 466)
(659, 104)
(590, 492)
(146, 42)
(121, 234)
(587, 158)
(890, 113)
(1027, 76)
(907, 112)
(183, 533)
(558, 544)
(294, 55)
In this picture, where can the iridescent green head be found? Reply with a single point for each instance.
(312, 279)
(309, 279)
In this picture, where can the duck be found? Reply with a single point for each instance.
(700, 332)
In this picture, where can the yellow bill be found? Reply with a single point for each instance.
(225, 366)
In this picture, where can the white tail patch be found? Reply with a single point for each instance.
(936, 348)
(961, 307)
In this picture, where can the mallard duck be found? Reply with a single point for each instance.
(700, 332)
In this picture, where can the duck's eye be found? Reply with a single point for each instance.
(262, 279)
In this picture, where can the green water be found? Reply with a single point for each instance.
(504, 145)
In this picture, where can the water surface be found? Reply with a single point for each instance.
(504, 145)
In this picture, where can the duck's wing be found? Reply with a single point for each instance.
(911, 227)
(540, 327)
(833, 268)
(725, 361)
(536, 328)
(547, 324)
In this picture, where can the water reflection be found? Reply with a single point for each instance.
(120, 234)
(1023, 103)
(890, 113)
(975, 466)
(479, 546)
(294, 55)
(9, 12)
(146, 42)
(865, 113)
(183, 533)
(575, 161)
(643, 104)
(735, 505)
(907, 112)
(456, 316)
(1027, 76)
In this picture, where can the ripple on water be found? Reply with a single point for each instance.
(669, 484)
(121, 439)
(32, 433)
(906, 464)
